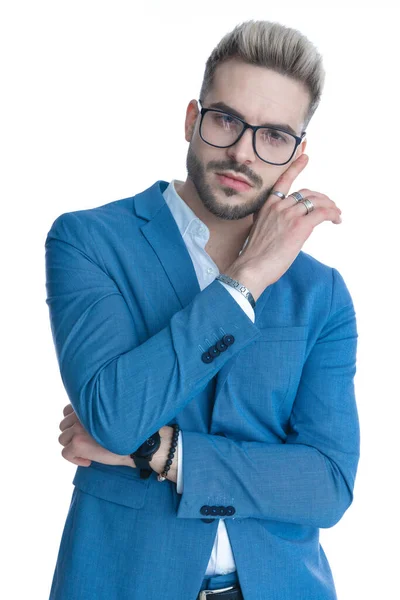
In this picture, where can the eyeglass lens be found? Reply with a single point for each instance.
(221, 129)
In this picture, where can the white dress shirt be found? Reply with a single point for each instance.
(196, 235)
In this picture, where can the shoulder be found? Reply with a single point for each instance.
(323, 279)
(111, 211)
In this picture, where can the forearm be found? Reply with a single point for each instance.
(284, 482)
(305, 476)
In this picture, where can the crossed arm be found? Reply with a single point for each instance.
(80, 448)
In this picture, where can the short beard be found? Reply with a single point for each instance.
(196, 173)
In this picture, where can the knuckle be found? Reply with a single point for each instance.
(324, 211)
(288, 214)
(78, 440)
(277, 206)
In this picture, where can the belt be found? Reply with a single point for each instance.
(232, 592)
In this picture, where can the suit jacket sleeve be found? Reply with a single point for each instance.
(308, 479)
(124, 388)
(246, 306)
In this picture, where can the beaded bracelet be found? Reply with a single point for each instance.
(162, 476)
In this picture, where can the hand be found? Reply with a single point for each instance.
(80, 448)
(279, 231)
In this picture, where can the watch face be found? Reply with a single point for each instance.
(150, 446)
(150, 443)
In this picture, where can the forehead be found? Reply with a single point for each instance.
(259, 94)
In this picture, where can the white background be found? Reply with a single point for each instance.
(92, 110)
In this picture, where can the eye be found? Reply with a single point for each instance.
(224, 120)
(271, 136)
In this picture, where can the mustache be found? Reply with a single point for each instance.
(232, 166)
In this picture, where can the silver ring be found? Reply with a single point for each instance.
(308, 204)
(279, 194)
(297, 196)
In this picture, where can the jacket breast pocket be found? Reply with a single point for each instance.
(277, 358)
(112, 484)
(263, 381)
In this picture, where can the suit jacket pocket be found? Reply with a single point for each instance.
(275, 361)
(256, 394)
(101, 481)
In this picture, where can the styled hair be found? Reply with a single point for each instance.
(276, 47)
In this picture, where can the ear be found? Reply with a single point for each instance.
(192, 112)
(300, 149)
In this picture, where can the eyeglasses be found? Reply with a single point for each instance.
(272, 145)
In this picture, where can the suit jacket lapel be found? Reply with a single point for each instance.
(162, 233)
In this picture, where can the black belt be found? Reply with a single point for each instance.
(232, 592)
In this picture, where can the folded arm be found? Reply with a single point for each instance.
(124, 388)
(307, 480)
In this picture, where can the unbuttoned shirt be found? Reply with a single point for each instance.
(196, 234)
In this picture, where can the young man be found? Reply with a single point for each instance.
(256, 368)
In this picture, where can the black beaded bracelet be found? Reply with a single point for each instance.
(162, 476)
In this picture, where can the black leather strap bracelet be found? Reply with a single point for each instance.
(163, 476)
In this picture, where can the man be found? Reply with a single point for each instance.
(243, 386)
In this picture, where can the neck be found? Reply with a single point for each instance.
(226, 237)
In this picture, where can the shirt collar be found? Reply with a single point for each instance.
(184, 216)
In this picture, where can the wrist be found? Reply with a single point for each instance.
(244, 277)
(127, 461)
(172, 474)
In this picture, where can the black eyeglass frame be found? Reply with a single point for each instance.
(255, 128)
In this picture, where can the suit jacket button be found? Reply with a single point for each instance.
(208, 520)
(230, 510)
(222, 511)
(228, 339)
(214, 510)
(213, 351)
(221, 346)
(205, 510)
(206, 357)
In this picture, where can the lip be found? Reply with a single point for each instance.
(233, 181)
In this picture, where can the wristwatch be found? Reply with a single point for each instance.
(143, 455)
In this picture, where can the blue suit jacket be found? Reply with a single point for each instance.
(269, 427)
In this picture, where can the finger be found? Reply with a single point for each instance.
(68, 454)
(325, 206)
(68, 421)
(321, 214)
(66, 436)
(68, 409)
(285, 181)
(316, 197)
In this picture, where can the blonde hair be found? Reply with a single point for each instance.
(276, 47)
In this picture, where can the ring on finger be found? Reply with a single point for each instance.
(308, 204)
(279, 194)
(297, 196)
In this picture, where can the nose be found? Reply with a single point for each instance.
(243, 151)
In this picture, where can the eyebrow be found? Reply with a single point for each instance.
(229, 109)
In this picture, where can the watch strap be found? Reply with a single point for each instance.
(142, 463)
